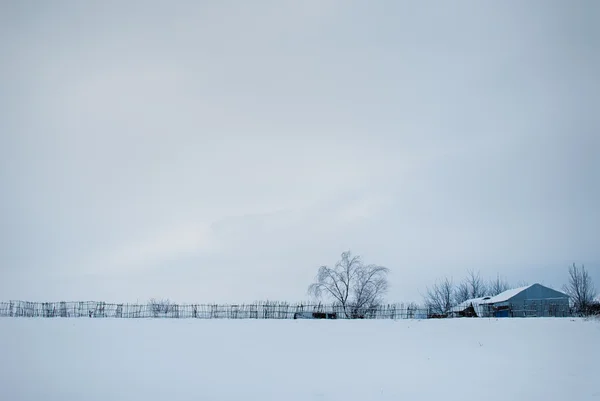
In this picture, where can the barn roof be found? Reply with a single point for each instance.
(464, 305)
(506, 295)
(502, 297)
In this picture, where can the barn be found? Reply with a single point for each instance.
(533, 300)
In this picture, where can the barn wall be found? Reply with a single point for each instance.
(540, 301)
(540, 308)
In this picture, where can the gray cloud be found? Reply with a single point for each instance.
(223, 152)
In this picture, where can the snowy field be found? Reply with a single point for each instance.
(156, 360)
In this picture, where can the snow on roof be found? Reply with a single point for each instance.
(506, 295)
(464, 305)
(502, 297)
(476, 303)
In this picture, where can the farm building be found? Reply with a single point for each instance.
(533, 300)
(470, 308)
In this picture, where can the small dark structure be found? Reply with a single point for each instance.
(592, 309)
(315, 315)
(468, 312)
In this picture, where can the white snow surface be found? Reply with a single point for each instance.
(155, 359)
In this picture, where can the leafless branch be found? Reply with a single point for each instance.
(439, 298)
(462, 293)
(580, 288)
(355, 286)
(160, 307)
(476, 284)
(497, 286)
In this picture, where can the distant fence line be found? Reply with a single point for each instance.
(266, 310)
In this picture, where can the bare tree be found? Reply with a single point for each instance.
(354, 286)
(497, 286)
(160, 307)
(439, 298)
(476, 284)
(580, 288)
(462, 293)
(471, 287)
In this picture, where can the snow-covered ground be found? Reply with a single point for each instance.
(151, 360)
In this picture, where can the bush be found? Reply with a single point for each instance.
(160, 307)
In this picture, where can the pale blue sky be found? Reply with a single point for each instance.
(222, 151)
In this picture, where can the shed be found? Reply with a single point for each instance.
(469, 308)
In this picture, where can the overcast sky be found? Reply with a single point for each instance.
(222, 151)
